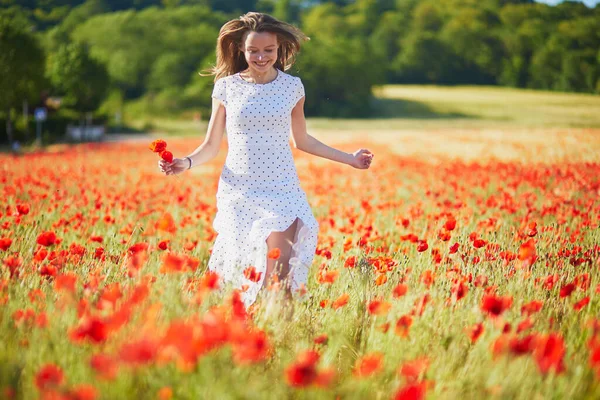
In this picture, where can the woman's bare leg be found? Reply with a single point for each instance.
(283, 241)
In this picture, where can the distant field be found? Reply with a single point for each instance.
(413, 106)
(467, 122)
(442, 107)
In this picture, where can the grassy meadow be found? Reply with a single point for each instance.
(463, 264)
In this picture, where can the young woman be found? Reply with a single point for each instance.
(260, 204)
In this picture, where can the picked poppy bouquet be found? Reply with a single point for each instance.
(160, 146)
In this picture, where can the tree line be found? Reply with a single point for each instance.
(147, 53)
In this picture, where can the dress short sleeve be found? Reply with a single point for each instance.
(220, 91)
(299, 91)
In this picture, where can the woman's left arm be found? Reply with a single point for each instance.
(360, 159)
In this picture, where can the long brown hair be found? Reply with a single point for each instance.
(231, 60)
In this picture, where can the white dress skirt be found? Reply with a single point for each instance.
(259, 191)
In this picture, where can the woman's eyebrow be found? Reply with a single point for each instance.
(266, 47)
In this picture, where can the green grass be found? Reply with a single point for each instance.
(497, 105)
(399, 107)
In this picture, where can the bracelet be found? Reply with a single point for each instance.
(190, 162)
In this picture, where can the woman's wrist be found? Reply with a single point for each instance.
(348, 158)
(189, 161)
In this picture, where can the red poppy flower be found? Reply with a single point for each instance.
(158, 145)
(495, 305)
(475, 332)
(23, 209)
(459, 290)
(412, 391)
(581, 303)
(450, 224)
(83, 391)
(325, 377)
(166, 155)
(173, 263)
(139, 352)
(47, 238)
(165, 393)
(381, 279)
(454, 248)
(531, 308)
(274, 254)
(403, 325)
(303, 372)
(479, 243)
(92, 328)
(444, 235)
(427, 277)
(251, 274)
(566, 290)
(350, 262)
(254, 347)
(549, 353)
(166, 223)
(519, 346)
(326, 276)
(379, 307)
(414, 369)
(341, 301)
(420, 304)
(400, 290)
(138, 247)
(210, 280)
(368, 365)
(5, 243)
(321, 339)
(49, 375)
(524, 325)
(527, 253)
(66, 282)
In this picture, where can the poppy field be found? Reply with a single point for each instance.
(462, 264)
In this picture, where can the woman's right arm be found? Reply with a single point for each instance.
(214, 135)
(208, 149)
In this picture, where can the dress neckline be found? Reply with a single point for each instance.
(259, 84)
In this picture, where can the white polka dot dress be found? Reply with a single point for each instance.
(259, 191)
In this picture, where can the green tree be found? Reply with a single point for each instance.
(524, 30)
(21, 68)
(240, 6)
(471, 34)
(568, 60)
(81, 80)
(427, 17)
(168, 71)
(338, 66)
(130, 43)
(61, 33)
(427, 59)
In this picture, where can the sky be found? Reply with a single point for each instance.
(589, 3)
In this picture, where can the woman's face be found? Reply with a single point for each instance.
(260, 50)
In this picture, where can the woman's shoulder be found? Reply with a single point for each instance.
(290, 78)
(224, 79)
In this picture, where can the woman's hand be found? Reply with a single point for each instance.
(176, 167)
(361, 159)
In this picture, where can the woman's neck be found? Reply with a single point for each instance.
(256, 77)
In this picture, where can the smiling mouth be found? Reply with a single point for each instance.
(261, 64)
